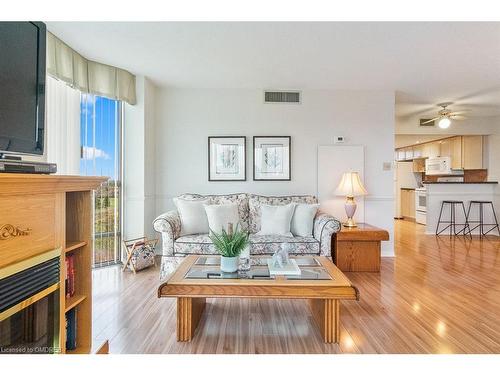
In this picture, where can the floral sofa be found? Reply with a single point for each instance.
(169, 225)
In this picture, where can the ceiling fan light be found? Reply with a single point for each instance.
(444, 123)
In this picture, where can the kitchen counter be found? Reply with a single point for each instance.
(437, 192)
(456, 182)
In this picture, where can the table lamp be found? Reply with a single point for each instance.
(350, 186)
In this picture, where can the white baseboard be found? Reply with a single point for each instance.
(388, 254)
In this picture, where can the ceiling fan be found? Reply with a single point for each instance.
(445, 116)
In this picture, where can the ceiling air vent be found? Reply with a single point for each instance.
(426, 122)
(282, 97)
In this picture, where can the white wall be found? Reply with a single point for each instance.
(186, 117)
(149, 157)
(138, 162)
(493, 164)
(353, 159)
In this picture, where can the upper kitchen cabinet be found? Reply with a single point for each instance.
(407, 153)
(452, 147)
(472, 152)
(465, 152)
(418, 151)
(431, 149)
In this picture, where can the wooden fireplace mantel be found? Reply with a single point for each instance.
(20, 183)
(40, 213)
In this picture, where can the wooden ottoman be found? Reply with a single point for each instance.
(358, 249)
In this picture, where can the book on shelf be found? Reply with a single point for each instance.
(70, 276)
(71, 329)
(66, 279)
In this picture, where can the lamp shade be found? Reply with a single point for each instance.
(350, 185)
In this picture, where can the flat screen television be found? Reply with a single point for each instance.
(22, 87)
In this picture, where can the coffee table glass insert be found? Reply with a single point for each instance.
(207, 267)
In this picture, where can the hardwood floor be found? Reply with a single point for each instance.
(439, 295)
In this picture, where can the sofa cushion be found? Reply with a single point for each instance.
(194, 244)
(241, 199)
(193, 216)
(276, 219)
(303, 219)
(255, 201)
(220, 215)
(259, 245)
(268, 244)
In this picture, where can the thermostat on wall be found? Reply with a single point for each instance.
(339, 139)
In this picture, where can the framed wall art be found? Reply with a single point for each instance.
(272, 158)
(227, 158)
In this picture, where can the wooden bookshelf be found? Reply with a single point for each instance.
(78, 237)
(73, 301)
(56, 214)
(74, 245)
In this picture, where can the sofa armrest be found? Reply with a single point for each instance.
(169, 226)
(324, 227)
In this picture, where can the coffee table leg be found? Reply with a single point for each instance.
(189, 312)
(326, 313)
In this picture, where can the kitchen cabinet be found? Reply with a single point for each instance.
(408, 203)
(472, 152)
(417, 151)
(431, 149)
(466, 152)
(400, 155)
(409, 153)
(452, 147)
(419, 165)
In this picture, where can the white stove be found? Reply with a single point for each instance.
(420, 205)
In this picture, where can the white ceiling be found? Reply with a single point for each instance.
(425, 63)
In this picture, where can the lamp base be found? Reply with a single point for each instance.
(350, 223)
(350, 209)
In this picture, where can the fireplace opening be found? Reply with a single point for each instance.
(29, 306)
(33, 330)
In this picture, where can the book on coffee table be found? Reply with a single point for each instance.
(288, 269)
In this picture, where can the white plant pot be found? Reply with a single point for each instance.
(229, 264)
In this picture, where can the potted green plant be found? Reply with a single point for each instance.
(229, 244)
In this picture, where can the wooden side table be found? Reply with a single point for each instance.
(358, 249)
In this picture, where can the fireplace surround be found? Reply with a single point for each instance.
(29, 305)
(43, 220)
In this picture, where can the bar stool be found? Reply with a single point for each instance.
(480, 222)
(451, 223)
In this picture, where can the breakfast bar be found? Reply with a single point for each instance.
(437, 192)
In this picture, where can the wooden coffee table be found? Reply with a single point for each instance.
(198, 277)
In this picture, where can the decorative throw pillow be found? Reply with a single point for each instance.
(276, 219)
(219, 215)
(193, 216)
(303, 220)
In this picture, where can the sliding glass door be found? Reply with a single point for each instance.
(101, 121)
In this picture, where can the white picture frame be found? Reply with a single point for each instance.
(272, 158)
(227, 158)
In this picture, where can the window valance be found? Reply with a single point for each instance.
(89, 76)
